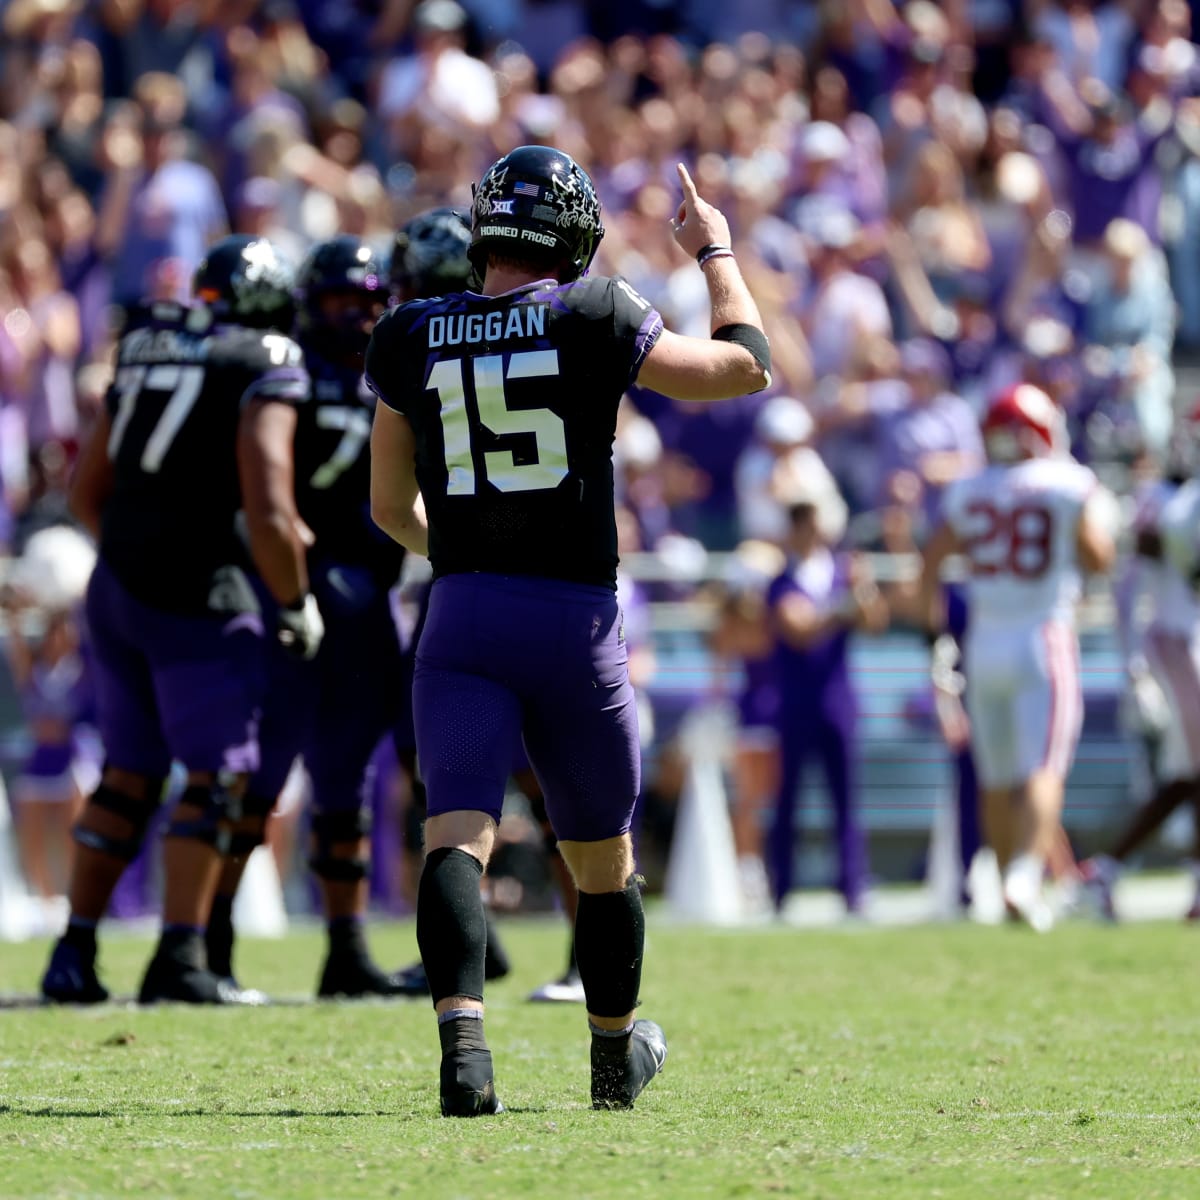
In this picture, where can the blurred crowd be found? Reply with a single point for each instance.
(930, 201)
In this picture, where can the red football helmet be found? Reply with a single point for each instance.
(1023, 422)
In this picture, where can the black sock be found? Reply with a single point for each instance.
(495, 961)
(610, 933)
(218, 937)
(184, 943)
(451, 925)
(81, 933)
(462, 1033)
(346, 936)
(572, 960)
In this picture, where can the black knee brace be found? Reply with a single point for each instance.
(610, 934)
(339, 829)
(217, 807)
(243, 843)
(137, 812)
(451, 929)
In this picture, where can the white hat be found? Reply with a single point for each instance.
(823, 141)
(785, 420)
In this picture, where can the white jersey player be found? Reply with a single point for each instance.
(1028, 526)
(1159, 627)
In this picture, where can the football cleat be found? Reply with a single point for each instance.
(180, 978)
(71, 977)
(1099, 877)
(567, 990)
(412, 980)
(621, 1068)
(468, 1089)
(1023, 892)
(354, 976)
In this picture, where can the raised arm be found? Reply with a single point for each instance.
(736, 360)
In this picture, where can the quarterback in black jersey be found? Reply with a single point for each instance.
(498, 409)
(335, 708)
(195, 430)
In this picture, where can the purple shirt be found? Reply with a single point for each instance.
(946, 423)
(815, 678)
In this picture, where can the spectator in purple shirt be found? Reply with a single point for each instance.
(816, 604)
(1108, 156)
(933, 440)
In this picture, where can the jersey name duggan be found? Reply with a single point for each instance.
(520, 321)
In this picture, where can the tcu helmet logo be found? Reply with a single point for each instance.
(491, 191)
(501, 206)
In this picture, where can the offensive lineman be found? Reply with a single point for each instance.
(195, 427)
(1028, 525)
(498, 408)
(335, 708)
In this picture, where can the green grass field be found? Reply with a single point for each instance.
(952, 1061)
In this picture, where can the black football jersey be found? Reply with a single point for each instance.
(333, 473)
(513, 405)
(169, 529)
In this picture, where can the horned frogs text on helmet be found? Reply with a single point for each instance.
(246, 281)
(430, 257)
(343, 266)
(536, 203)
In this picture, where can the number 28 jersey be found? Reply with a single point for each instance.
(1018, 525)
(513, 404)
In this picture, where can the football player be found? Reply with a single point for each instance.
(1161, 659)
(498, 409)
(198, 425)
(431, 259)
(335, 708)
(1029, 525)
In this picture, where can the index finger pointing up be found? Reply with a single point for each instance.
(690, 194)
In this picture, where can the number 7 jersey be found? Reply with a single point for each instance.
(1018, 525)
(169, 529)
(513, 404)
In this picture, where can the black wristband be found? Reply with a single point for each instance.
(711, 248)
(296, 605)
(749, 338)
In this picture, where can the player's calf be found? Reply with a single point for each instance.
(452, 935)
(247, 833)
(200, 833)
(109, 836)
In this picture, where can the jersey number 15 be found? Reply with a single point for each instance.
(448, 379)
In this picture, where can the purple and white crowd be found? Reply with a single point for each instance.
(931, 203)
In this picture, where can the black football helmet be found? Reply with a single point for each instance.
(430, 255)
(342, 266)
(246, 281)
(536, 203)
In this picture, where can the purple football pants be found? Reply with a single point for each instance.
(503, 656)
(172, 686)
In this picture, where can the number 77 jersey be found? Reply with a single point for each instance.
(169, 529)
(1018, 525)
(513, 404)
